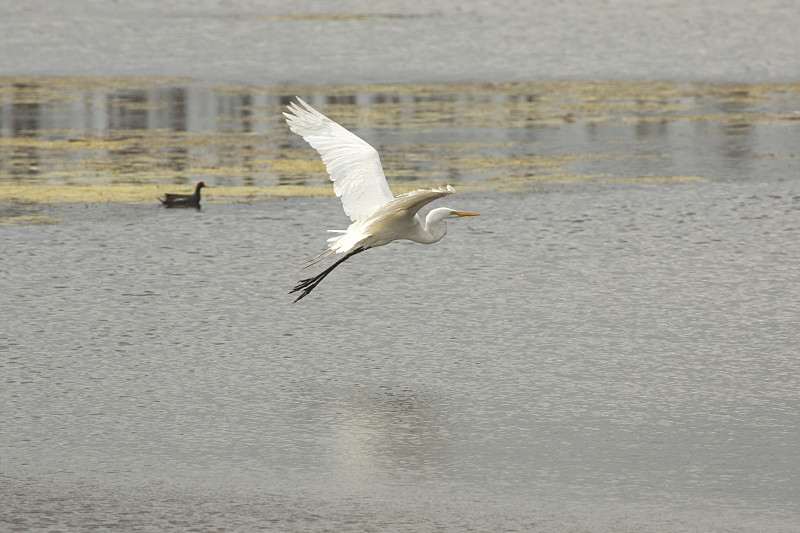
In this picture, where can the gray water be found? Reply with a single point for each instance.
(612, 346)
(385, 41)
(595, 358)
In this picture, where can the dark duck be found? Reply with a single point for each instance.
(183, 200)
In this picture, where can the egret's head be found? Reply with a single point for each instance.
(441, 214)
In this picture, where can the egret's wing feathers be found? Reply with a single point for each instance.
(415, 200)
(354, 165)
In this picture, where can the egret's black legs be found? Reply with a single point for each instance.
(307, 285)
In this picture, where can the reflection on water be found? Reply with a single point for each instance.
(81, 131)
(389, 429)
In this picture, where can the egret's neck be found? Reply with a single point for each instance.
(435, 226)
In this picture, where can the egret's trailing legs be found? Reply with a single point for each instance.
(307, 285)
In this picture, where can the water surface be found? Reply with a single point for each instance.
(611, 346)
(384, 41)
(101, 131)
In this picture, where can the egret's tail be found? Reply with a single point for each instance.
(346, 242)
(341, 244)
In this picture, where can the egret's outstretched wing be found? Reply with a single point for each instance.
(413, 201)
(354, 165)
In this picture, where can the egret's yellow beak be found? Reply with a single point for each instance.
(463, 214)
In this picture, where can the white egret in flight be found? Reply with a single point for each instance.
(358, 179)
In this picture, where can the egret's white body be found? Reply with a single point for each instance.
(358, 179)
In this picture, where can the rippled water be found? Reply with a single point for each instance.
(616, 357)
(385, 41)
(611, 346)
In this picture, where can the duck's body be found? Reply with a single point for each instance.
(183, 200)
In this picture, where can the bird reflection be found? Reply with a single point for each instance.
(388, 429)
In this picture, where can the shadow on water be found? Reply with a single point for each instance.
(98, 132)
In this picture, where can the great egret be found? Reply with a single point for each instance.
(183, 200)
(358, 179)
